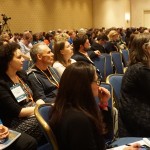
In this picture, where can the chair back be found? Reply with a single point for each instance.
(114, 110)
(125, 57)
(100, 63)
(42, 114)
(115, 80)
(117, 61)
(109, 66)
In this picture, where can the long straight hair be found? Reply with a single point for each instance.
(58, 46)
(75, 90)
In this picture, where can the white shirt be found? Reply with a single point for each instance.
(60, 68)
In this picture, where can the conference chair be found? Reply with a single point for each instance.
(114, 110)
(100, 63)
(109, 65)
(115, 80)
(117, 62)
(42, 114)
(125, 56)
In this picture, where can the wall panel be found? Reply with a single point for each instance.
(45, 15)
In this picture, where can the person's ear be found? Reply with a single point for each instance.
(81, 47)
(39, 56)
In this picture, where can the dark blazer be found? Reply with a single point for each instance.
(96, 46)
(9, 107)
(80, 57)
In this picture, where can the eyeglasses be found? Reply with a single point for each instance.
(98, 81)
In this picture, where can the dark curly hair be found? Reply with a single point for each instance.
(6, 55)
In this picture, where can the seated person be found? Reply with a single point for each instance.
(99, 43)
(44, 79)
(23, 142)
(62, 56)
(26, 45)
(81, 47)
(77, 121)
(16, 100)
(134, 104)
(111, 45)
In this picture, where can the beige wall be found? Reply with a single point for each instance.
(137, 12)
(110, 13)
(45, 15)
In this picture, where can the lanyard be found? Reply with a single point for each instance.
(56, 82)
(26, 89)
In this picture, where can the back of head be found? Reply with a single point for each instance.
(140, 48)
(102, 37)
(61, 37)
(27, 36)
(6, 55)
(81, 32)
(111, 34)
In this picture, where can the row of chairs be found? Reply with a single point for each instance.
(115, 62)
(113, 85)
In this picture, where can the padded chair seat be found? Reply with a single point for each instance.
(125, 140)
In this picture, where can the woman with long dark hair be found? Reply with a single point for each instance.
(135, 94)
(77, 120)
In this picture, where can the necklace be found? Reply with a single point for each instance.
(55, 82)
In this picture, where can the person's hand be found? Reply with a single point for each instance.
(4, 132)
(97, 52)
(40, 101)
(103, 95)
(135, 146)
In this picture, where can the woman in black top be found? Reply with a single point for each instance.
(16, 102)
(76, 119)
(135, 91)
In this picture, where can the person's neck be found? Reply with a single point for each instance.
(41, 66)
(83, 52)
(67, 61)
(12, 75)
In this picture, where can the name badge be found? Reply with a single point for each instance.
(18, 93)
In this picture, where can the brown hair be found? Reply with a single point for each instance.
(139, 51)
(77, 94)
(58, 46)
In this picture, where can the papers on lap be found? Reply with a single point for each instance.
(141, 142)
(13, 135)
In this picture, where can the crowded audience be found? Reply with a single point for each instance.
(61, 71)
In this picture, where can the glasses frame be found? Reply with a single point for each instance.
(98, 82)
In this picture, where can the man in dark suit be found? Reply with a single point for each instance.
(82, 50)
(99, 43)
